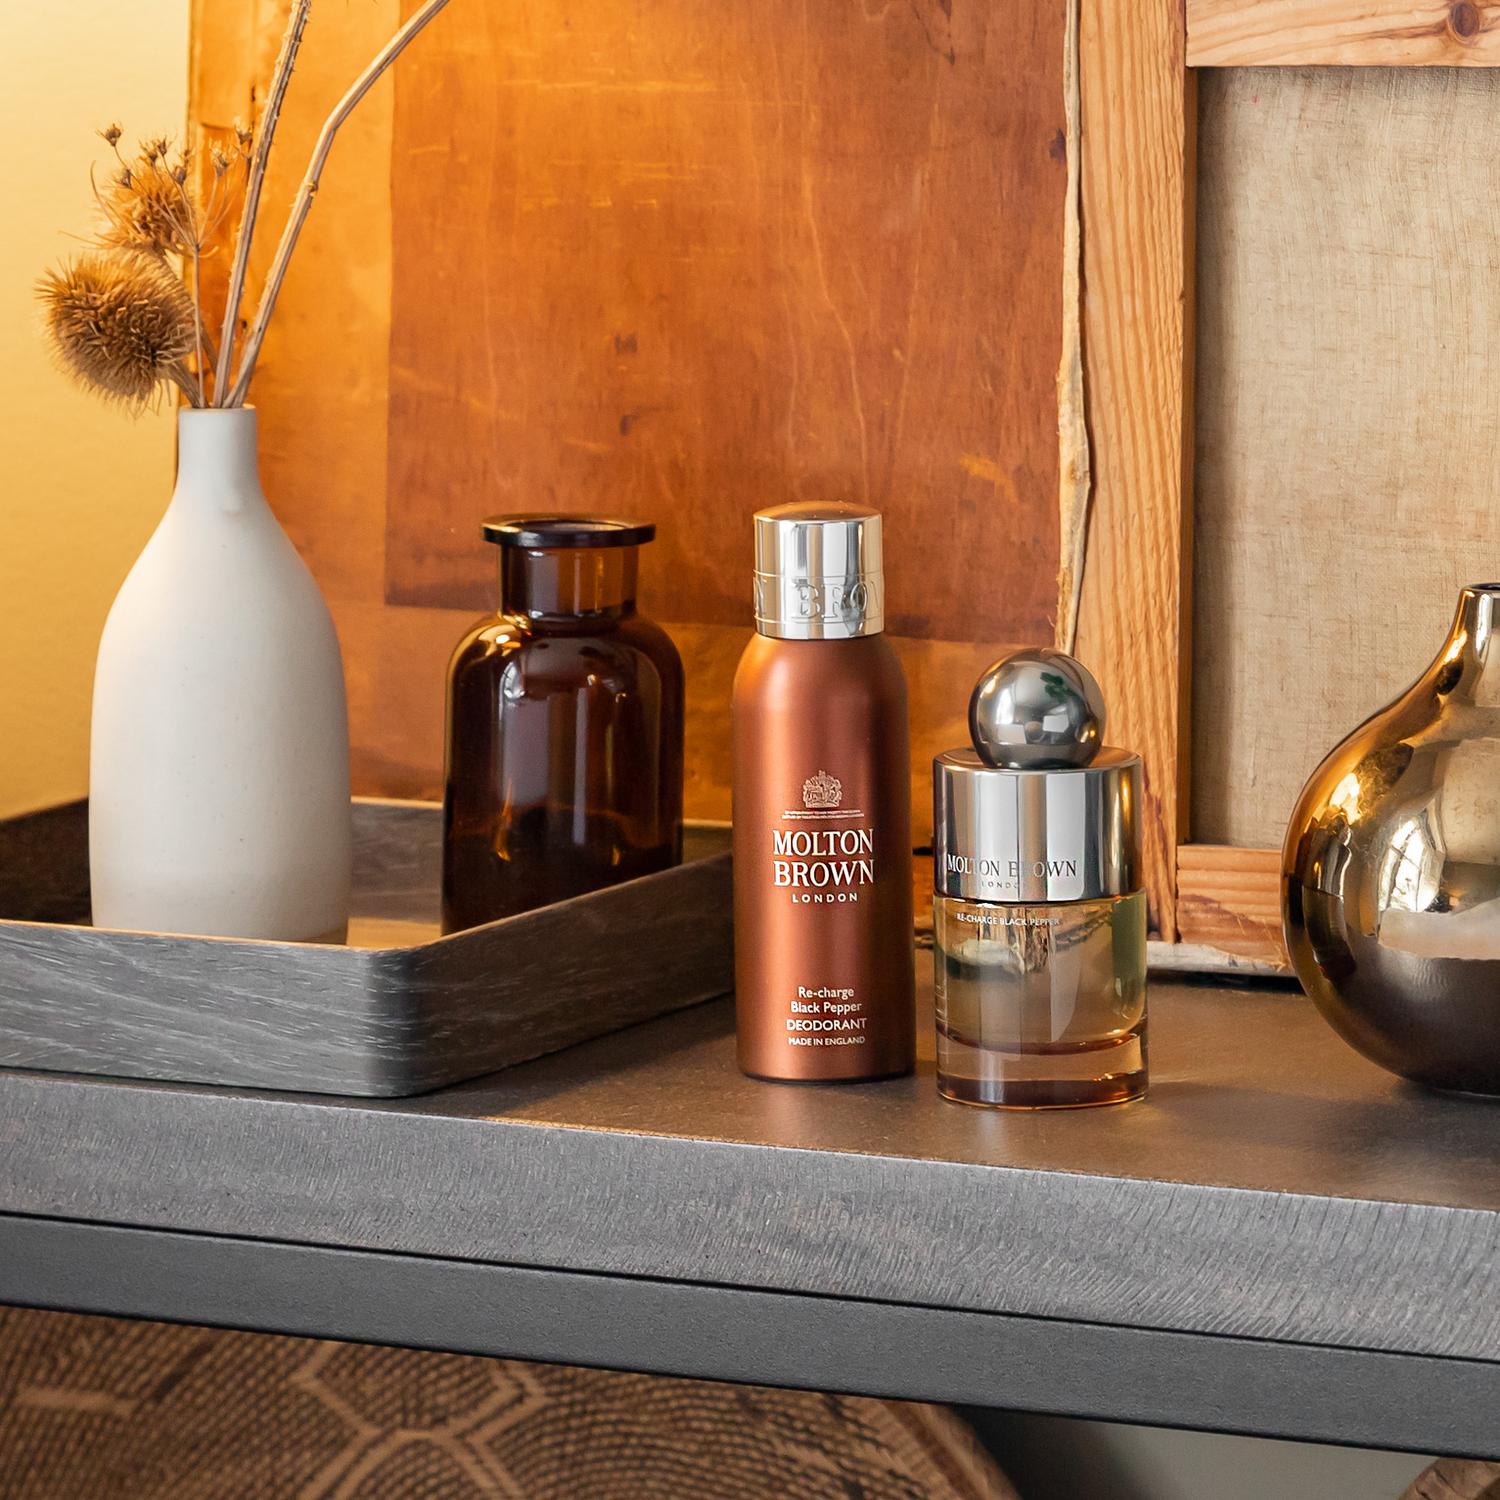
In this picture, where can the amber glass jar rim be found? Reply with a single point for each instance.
(546, 531)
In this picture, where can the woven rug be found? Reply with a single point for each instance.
(1456, 1479)
(103, 1409)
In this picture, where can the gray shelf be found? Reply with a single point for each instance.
(1281, 1239)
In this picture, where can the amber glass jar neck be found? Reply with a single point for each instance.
(567, 583)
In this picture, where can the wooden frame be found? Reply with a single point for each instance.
(1221, 897)
(1134, 625)
(1346, 33)
(1134, 317)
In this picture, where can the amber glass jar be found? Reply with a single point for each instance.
(564, 759)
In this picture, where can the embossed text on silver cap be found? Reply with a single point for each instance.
(818, 572)
(1052, 834)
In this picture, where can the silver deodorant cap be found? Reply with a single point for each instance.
(818, 573)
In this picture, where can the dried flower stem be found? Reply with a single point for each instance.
(198, 360)
(305, 194)
(195, 252)
(280, 78)
(148, 208)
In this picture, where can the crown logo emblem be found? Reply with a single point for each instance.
(822, 790)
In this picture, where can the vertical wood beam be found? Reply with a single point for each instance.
(1137, 162)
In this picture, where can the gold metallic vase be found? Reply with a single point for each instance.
(1391, 870)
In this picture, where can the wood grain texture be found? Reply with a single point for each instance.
(1272, 1186)
(821, 1343)
(1138, 117)
(396, 1012)
(1074, 481)
(1230, 899)
(1348, 449)
(726, 258)
(1350, 33)
(837, 238)
(396, 667)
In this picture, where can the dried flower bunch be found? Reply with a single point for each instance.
(126, 318)
(122, 324)
(120, 318)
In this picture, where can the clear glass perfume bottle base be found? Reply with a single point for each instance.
(1112, 1072)
(1041, 1006)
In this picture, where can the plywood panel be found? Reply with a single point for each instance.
(688, 260)
(1348, 437)
(888, 327)
(837, 237)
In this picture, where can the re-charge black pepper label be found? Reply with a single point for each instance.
(826, 1017)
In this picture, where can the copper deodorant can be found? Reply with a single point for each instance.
(822, 809)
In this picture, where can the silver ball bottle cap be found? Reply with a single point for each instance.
(1039, 810)
(818, 572)
(1035, 710)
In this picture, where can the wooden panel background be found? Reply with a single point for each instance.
(1348, 438)
(727, 255)
(680, 262)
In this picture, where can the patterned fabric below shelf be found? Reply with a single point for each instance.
(104, 1409)
(1456, 1479)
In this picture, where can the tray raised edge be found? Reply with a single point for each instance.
(376, 1022)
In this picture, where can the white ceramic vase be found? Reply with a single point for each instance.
(219, 768)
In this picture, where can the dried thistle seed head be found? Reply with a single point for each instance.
(220, 159)
(147, 208)
(111, 134)
(156, 148)
(243, 134)
(120, 324)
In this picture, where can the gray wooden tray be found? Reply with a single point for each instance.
(399, 1010)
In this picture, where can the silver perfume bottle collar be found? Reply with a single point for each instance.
(1058, 834)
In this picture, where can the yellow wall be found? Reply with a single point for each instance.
(81, 485)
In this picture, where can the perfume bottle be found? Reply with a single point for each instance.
(823, 945)
(1039, 921)
(565, 726)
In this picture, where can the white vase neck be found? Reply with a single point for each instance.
(217, 463)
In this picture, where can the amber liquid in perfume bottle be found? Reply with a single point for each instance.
(1039, 918)
(1041, 1006)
